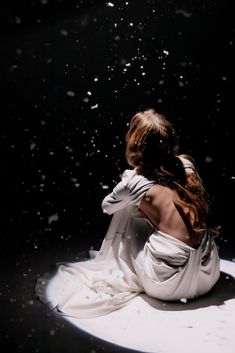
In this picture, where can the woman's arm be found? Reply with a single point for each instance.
(128, 192)
(119, 197)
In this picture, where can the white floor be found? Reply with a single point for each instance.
(206, 325)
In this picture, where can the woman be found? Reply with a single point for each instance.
(159, 240)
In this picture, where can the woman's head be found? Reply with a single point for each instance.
(151, 148)
(150, 140)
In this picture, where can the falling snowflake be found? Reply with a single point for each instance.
(53, 218)
(70, 93)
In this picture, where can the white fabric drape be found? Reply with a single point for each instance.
(133, 258)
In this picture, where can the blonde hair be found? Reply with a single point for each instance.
(151, 148)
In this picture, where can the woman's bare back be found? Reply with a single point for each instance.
(158, 206)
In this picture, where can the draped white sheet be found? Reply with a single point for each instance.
(133, 258)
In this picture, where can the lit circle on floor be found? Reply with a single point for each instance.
(149, 325)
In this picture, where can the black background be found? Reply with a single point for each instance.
(73, 73)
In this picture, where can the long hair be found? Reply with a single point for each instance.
(151, 148)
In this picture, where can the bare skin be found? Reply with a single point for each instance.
(158, 206)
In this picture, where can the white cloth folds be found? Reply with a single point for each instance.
(134, 257)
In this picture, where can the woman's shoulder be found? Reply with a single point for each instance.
(128, 173)
(135, 181)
